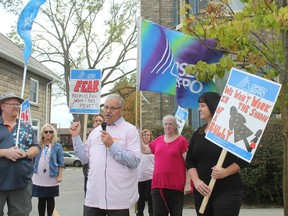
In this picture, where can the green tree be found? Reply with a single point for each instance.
(84, 35)
(126, 88)
(254, 39)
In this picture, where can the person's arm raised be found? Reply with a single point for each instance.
(75, 129)
(145, 149)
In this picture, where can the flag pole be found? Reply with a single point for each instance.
(136, 109)
(138, 76)
(23, 81)
(24, 26)
(22, 96)
(140, 110)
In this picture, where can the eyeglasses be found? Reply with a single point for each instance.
(112, 108)
(50, 132)
(13, 104)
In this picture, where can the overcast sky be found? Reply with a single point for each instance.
(59, 113)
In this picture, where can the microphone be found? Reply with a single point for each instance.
(104, 125)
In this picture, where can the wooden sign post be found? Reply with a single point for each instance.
(213, 181)
(85, 127)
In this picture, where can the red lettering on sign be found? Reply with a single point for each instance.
(87, 86)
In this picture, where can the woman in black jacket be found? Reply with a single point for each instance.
(202, 157)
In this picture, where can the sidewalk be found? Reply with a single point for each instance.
(70, 201)
(243, 212)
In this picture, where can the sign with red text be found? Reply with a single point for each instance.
(25, 112)
(85, 91)
(243, 113)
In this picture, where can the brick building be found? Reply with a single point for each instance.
(156, 105)
(38, 81)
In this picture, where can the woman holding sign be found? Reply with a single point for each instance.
(201, 160)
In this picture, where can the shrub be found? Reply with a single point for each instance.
(262, 179)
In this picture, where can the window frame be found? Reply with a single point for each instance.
(36, 82)
(36, 127)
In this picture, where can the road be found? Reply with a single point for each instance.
(70, 201)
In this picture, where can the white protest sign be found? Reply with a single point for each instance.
(243, 113)
(25, 112)
(181, 116)
(85, 91)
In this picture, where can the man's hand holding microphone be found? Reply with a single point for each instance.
(107, 140)
(105, 136)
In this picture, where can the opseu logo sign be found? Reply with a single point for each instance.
(188, 81)
(246, 84)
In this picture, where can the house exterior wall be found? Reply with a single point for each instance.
(158, 11)
(11, 81)
(157, 105)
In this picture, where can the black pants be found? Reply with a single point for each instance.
(167, 201)
(144, 190)
(89, 211)
(220, 204)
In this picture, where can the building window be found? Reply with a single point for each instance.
(198, 5)
(36, 127)
(176, 13)
(236, 5)
(34, 88)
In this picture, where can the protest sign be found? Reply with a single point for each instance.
(85, 91)
(241, 117)
(243, 113)
(181, 116)
(25, 112)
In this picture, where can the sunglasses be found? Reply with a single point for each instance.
(50, 132)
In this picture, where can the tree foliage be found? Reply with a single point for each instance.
(84, 35)
(126, 88)
(254, 39)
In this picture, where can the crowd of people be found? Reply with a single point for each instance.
(122, 166)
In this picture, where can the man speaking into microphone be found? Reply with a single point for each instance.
(113, 152)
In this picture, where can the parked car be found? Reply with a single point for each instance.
(72, 153)
(71, 160)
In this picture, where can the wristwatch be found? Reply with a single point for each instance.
(26, 153)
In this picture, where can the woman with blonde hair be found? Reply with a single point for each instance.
(169, 178)
(97, 120)
(48, 167)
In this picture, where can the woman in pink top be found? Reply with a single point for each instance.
(169, 177)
